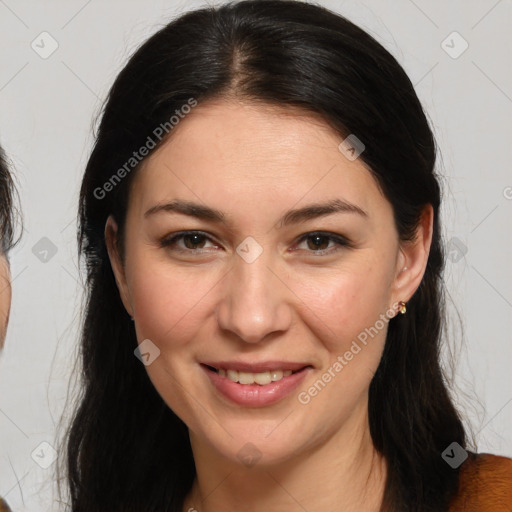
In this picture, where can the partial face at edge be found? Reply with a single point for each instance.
(5, 297)
(300, 300)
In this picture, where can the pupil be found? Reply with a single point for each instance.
(193, 240)
(317, 241)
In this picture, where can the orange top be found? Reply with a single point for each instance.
(485, 484)
(3, 506)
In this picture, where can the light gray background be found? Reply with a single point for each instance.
(46, 113)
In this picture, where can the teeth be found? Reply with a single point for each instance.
(250, 378)
(276, 375)
(233, 375)
(246, 378)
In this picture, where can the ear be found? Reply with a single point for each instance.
(117, 264)
(413, 257)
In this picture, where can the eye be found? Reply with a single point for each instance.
(193, 241)
(318, 242)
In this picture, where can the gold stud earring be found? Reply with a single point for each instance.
(402, 307)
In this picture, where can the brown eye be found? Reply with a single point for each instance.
(318, 243)
(193, 241)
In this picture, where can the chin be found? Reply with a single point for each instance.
(252, 444)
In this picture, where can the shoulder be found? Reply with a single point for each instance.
(3, 506)
(485, 484)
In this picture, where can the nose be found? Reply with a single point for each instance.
(255, 301)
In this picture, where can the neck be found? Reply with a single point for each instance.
(343, 473)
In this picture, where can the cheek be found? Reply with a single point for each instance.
(347, 303)
(348, 314)
(168, 301)
(172, 303)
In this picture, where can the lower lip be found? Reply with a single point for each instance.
(254, 395)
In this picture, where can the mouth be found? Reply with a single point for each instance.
(271, 383)
(261, 378)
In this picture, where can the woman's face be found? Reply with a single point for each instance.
(5, 297)
(248, 288)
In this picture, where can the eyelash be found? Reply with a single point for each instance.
(341, 241)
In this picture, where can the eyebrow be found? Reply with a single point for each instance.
(295, 216)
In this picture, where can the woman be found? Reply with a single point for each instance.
(259, 219)
(7, 228)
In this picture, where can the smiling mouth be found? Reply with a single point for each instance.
(261, 378)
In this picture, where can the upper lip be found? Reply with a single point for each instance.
(263, 366)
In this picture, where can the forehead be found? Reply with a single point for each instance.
(229, 154)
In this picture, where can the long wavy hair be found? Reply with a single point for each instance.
(126, 450)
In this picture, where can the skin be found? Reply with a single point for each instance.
(254, 163)
(5, 297)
